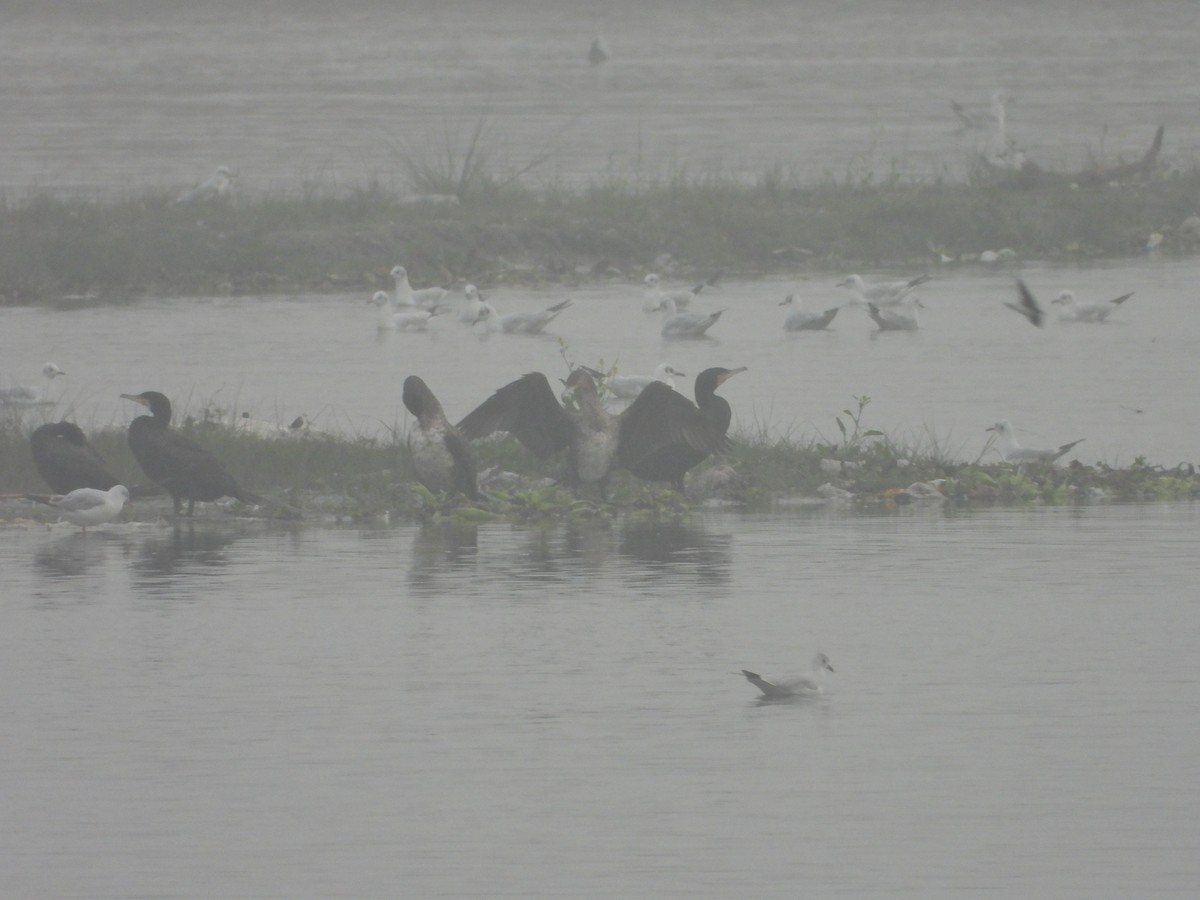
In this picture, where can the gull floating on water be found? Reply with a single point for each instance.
(655, 295)
(1078, 311)
(990, 119)
(1027, 305)
(797, 686)
(22, 395)
(1013, 452)
(469, 312)
(881, 293)
(409, 318)
(518, 322)
(627, 387)
(678, 324)
(896, 318)
(87, 506)
(800, 319)
(406, 296)
(217, 186)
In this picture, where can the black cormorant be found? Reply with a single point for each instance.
(528, 410)
(185, 469)
(66, 461)
(663, 434)
(441, 456)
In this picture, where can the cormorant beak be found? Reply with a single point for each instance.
(725, 376)
(136, 399)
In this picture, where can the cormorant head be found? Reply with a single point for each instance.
(581, 379)
(158, 404)
(419, 399)
(65, 431)
(711, 379)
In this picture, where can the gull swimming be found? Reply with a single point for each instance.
(800, 319)
(410, 318)
(990, 119)
(87, 506)
(1028, 305)
(217, 186)
(678, 324)
(881, 293)
(406, 296)
(654, 296)
(627, 387)
(32, 395)
(471, 307)
(797, 686)
(518, 322)
(1013, 452)
(1080, 311)
(896, 318)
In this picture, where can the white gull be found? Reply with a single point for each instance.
(678, 324)
(801, 319)
(87, 506)
(795, 686)
(407, 296)
(32, 395)
(881, 293)
(1011, 451)
(655, 294)
(1080, 311)
(518, 322)
(627, 387)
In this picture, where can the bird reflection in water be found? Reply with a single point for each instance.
(75, 554)
(186, 547)
(667, 549)
(442, 550)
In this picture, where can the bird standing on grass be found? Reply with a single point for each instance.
(442, 458)
(66, 461)
(181, 466)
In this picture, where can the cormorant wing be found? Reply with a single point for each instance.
(660, 419)
(528, 410)
(181, 459)
(464, 461)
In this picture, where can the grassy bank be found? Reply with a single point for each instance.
(370, 479)
(490, 230)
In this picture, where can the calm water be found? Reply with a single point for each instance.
(227, 710)
(118, 95)
(411, 712)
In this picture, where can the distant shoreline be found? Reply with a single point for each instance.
(490, 231)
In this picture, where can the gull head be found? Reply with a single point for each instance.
(1065, 297)
(472, 292)
(50, 370)
(651, 280)
(821, 663)
(381, 298)
(399, 273)
(1003, 428)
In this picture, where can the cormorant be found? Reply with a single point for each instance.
(66, 461)
(663, 434)
(528, 410)
(442, 458)
(185, 469)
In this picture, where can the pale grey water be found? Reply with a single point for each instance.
(117, 95)
(232, 711)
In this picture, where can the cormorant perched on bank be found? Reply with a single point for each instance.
(66, 461)
(441, 457)
(663, 434)
(529, 411)
(185, 469)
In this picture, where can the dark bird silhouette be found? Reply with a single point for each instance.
(66, 461)
(528, 410)
(1028, 305)
(184, 469)
(442, 458)
(663, 434)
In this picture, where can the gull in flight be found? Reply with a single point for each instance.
(797, 686)
(627, 387)
(1011, 451)
(409, 318)
(87, 506)
(988, 119)
(518, 322)
(800, 319)
(31, 395)
(896, 318)
(217, 186)
(406, 296)
(678, 324)
(655, 295)
(881, 293)
(1078, 311)
(1028, 305)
